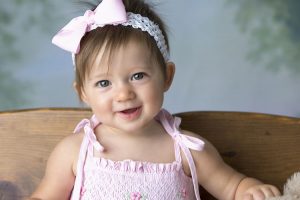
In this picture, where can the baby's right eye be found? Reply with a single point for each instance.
(103, 83)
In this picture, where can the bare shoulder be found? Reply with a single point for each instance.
(208, 150)
(69, 145)
(68, 149)
(207, 144)
(62, 162)
(209, 154)
(213, 173)
(70, 142)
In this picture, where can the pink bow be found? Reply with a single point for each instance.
(107, 12)
(88, 126)
(172, 125)
(190, 142)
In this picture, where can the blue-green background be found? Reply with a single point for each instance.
(236, 55)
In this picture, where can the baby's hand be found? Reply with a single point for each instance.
(261, 192)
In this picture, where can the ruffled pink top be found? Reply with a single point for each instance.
(100, 178)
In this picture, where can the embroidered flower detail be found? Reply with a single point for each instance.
(182, 194)
(135, 196)
(82, 191)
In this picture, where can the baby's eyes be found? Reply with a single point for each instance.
(138, 76)
(103, 83)
(134, 77)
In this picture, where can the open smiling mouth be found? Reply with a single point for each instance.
(131, 113)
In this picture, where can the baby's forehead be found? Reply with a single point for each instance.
(130, 54)
(132, 51)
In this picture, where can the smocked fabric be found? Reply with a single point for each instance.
(100, 178)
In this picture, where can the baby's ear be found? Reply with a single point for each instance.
(79, 91)
(170, 71)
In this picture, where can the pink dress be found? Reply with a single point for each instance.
(100, 178)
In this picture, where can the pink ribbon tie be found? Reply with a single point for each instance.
(88, 126)
(190, 142)
(108, 12)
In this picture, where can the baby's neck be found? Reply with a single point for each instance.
(149, 130)
(141, 146)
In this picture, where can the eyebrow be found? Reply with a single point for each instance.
(98, 76)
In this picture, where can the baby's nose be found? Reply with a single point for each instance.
(125, 93)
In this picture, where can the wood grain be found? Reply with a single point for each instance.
(259, 145)
(26, 139)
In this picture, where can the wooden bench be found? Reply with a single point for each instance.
(260, 145)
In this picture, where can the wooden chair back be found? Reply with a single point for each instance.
(260, 145)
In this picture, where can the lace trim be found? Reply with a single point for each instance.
(136, 166)
(145, 24)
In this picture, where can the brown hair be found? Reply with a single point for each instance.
(112, 37)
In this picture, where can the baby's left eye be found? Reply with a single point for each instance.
(138, 76)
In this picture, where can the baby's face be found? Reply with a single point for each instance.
(125, 90)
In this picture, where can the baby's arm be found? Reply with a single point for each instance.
(59, 177)
(222, 181)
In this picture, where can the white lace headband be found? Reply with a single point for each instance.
(69, 37)
(145, 24)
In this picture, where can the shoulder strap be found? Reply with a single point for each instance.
(89, 138)
(183, 142)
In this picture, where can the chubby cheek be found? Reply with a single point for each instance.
(154, 96)
(101, 105)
